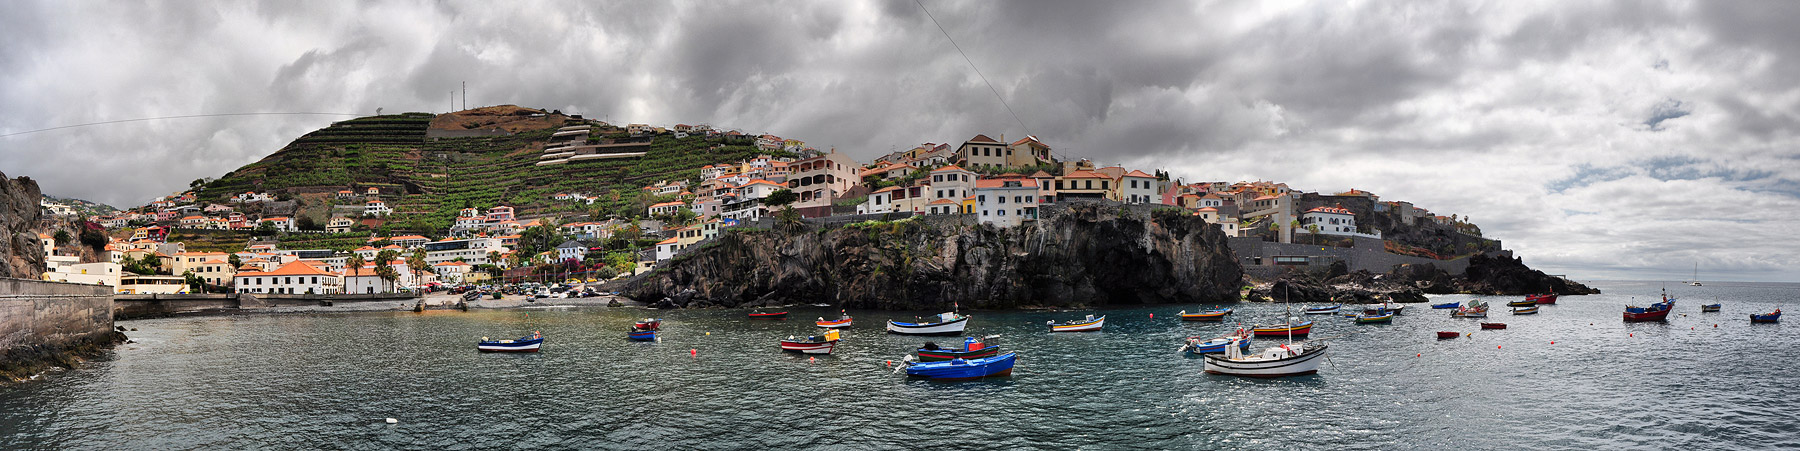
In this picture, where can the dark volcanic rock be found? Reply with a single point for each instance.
(21, 254)
(1077, 254)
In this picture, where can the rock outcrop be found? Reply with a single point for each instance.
(1410, 283)
(21, 254)
(1076, 254)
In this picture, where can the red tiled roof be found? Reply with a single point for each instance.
(1333, 210)
(983, 139)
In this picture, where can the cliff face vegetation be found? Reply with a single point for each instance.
(1075, 255)
(21, 254)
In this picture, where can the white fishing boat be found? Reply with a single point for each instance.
(1084, 325)
(945, 324)
(1292, 359)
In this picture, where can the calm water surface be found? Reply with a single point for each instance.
(328, 381)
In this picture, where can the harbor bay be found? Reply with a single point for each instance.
(1572, 376)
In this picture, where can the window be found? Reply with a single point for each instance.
(1001, 212)
(981, 199)
(984, 212)
(1001, 199)
(1090, 184)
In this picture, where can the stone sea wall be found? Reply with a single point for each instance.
(48, 324)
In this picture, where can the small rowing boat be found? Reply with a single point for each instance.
(641, 335)
(1448, 334)
(1385, 307)
(1366, 318)
(1493, 325)
(1532, 310)
(946, 324)
(1200, 346)
(1527, 302)
(1475, 309)
(1209, 315)
(1282, 330)
(817, 344)
(972, 349)
(761, 315)
(1445, 305)
(1326, 310)
(529, 343)
(1711, 308)
(1083, 325)
(1771, 317)
(843, 322)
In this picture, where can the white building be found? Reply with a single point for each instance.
(473, 251)
(952, 182)
(1006, 202)
(1330, 221)
(376, 208)
(571, 250)
(451, 272)
(293, 278)
(1137, 187)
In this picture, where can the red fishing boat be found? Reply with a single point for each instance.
(817, 344)
(1543, 298)
(1448, 334)
(761, 315)
(648, 324)
(1655, 312)
(1493, 325)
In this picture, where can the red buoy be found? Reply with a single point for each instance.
(1152, 316)
(693, 353)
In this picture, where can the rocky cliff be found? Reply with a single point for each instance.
(1409, 283)
(21, 255)
(1076, 255)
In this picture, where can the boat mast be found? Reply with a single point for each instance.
(1287, 300)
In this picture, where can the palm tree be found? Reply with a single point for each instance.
(1313, 230)
(388, 274)
(355, 261)
(416, 263)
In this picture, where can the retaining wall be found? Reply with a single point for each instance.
(36, 313)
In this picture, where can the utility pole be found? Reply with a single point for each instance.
(452, 101)
(465, 86)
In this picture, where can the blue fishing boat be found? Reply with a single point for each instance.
(1199, 346)
(1711, 308)
(964, 369)
(1446, 305)
(642, 335)
(1371, 318)
(529, 343)
(1771, 317)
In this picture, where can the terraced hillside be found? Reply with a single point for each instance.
(426, 181)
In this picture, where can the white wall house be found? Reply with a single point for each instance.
(292, 278)
(951, 182)
(1332, 221)
(1137, 187)
(376, 208)
(1006, 202)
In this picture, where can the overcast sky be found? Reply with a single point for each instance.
(1598, 140)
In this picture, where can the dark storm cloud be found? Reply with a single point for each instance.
(1517, 113)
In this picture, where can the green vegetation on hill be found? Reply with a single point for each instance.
(428, 182)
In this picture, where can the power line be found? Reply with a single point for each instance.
(978, 73)
(171, 117)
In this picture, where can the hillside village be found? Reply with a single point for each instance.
(370, 239)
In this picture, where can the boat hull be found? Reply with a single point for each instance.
(1711, 308)
(939, 355)
(1375, 319)
(1324, 310)
(1769, 318)
(1083, 326)
(1445, 306)
(641, 335)
(782, 315)
(1305, 363)
(1654, 315)
(1298, 330)
(968, 369)
(805, 347)
(1448, 334)
(1524, 303)
(1213, 315)
(944, 328)
(1493, 325)
(1543, 298)
(838, 324)
(1468, 314)
(1217, 346)
(1525, 311)
(531, 345)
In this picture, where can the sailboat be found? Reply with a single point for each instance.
(1696, 281)
(1291, 359)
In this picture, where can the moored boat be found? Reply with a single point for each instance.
(816, 344)
(971, 349)
(1493, 325)
(1448, 334)
(1209, 315)
(1292, 359)
(1382, 308)
(1543, 298)
(843, 322)
(1526, 311)
(1446, 305)
(1475, 309)
(1083, 325)
(641, 334)
(1326, 310)
(1527, 302)
(1283, 329)
(529, 343)
(1384, 317)
(775, 315)
(1655, 312)
(1198, 346)
(964, 369)
(1771, 317)
(648, 324)
(946, 324)
(1711, 308)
